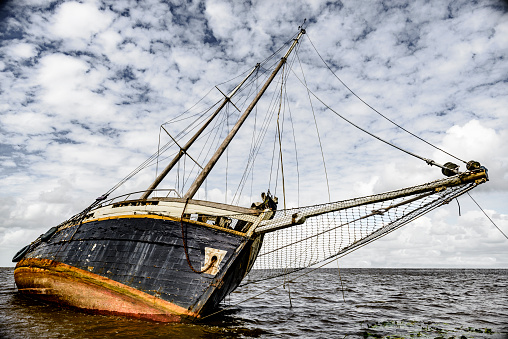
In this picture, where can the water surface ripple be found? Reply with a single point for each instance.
(379, 303)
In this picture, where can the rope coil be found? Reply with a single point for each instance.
(186, 250)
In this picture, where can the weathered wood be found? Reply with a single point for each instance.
(233, 208)
(289, 220)
(144, 254)
(172, 207)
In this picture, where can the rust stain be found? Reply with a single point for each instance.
(64, 284)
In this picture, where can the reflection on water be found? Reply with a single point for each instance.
(378, 303)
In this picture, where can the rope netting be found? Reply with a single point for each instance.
(295, 239)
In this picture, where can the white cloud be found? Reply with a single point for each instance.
(5, 162)
(472, 138)
(109, 41)
(221, 18)
(19, 122)
(438, 241)
(16, 236)
(473, 141)
(22, 50)
(69, 88)
(85, 86)
(75, 20)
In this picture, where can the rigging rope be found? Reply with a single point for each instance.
(296, 150)
(186, 249)
(375, 110)
(279, 134)
(227, 158)
(340, 278)
(481, 209)
(335, 229)
(281, 284)
(217, 131)
(317, 129)
(257, 146)
(154, 157)
(428, 161)
(256, 143)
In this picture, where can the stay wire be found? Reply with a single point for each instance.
(273, 109)
(375, 110)
(282, 83)
(252, 145)
(225, 122)
(253, 89)
(263, 129)
(340, 278)
(227, 158)
(428, 161)
(295, 145)
(179, 118)
(279, 285)
(222, 83)
(218, 128)
(493, 223)
(317, 129)
(190, 108)
(279, 135)
(158, 153)
(160, 150)
(185, 178)
(255, 148)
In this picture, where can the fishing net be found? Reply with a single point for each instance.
(295, 239)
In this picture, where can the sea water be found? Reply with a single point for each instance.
(358, 303)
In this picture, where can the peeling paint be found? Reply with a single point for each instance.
(68, 285)
(146, 254)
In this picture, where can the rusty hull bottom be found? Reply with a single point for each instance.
(71, 286)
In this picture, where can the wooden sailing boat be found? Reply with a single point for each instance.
(169, 258)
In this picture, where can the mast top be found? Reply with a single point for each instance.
(213, 160)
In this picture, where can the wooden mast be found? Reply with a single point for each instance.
(211, 163)
(189, 143)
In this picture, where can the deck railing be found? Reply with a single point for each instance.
(137, 195)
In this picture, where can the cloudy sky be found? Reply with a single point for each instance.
(85, 86)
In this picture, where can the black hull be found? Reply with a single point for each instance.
(147, 253)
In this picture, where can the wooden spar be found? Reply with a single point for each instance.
(476, 177)
(189, 143)
(211, 163)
